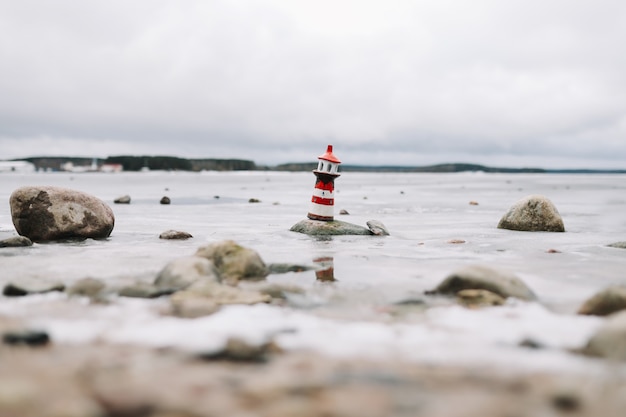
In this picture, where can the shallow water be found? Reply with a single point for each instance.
(424, 214)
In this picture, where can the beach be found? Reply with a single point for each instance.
(365, 332)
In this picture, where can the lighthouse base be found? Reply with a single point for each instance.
(319, 217)
(329, 228)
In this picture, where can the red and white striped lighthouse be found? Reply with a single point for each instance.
(322, 203)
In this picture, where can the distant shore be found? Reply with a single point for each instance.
(171, 163)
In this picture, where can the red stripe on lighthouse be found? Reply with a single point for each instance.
(323, 201)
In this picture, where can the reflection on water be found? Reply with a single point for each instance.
(326, 269)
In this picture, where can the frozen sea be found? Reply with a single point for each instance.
(353, 316)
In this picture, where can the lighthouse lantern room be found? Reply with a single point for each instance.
(323, 200)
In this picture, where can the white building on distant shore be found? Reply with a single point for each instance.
(16, 166)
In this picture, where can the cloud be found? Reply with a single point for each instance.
(403, 80)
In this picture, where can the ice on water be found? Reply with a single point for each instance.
(423, 212)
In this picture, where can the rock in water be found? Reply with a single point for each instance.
(377, 228)
(330, 228)
(607, 301)
(620, 245)
(534, 213)
(15, 241)
(477, 277)
(125, 199)
(609, 341)
(53, 213)
(234, 262)
(180, 273)
(175, 235)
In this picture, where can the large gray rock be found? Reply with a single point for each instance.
(607, 301)
(53, 213)
(234, 262)
(609, 341)
(330, 228)
(534, 213)
(478, 277)
(182, 272)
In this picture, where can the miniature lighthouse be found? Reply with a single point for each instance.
(323, 195)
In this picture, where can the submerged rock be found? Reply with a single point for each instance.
(53, 213)
(87, 287)
(607, 301)
(473, 298)
(609, 341)
(175, 234)
(330, 228)
(282, 268)
(27, 288)
(26, 337)
(478, 277)
(15, 242)
(182, 272)
(205, 298)
(143, 290)
(234, 262)
(534, 213)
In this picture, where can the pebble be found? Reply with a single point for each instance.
(125, 199)
(165, 200)
(175, 235)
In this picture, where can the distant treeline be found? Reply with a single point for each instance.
(171, 163)
(137, 163)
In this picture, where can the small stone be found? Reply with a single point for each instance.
(18, 290)
(484, 278)
(473, 203)
(165, 200)
(175, 235)
(479, 298)
(15, 242)
(125, 199)
(26, 337)
(534, 213)
(620, 245)
(377, 228)
(607, 301)
(344, 212)
(553, 251)
(254, 200)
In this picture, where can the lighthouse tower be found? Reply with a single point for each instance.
(323, 195)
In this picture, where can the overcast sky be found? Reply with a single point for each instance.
(504, 83)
